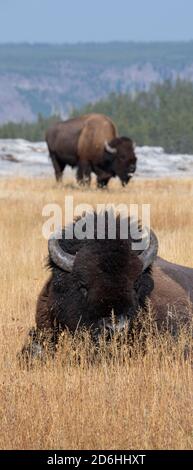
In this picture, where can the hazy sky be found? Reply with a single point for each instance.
(95, 20)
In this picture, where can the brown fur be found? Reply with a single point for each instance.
(173, 291)
(96, 130)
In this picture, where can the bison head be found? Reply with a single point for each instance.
(93, 278)
(120, 158)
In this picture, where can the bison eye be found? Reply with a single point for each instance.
(84, 291)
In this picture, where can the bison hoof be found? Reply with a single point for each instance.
(102, 185)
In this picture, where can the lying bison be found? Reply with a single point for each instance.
(91, 144)
(90, 279)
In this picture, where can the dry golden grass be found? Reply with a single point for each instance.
(139, 402)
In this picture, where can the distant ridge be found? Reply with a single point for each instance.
(44, 78)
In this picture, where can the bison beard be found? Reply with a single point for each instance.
(90, 280)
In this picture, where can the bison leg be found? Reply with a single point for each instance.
(102, 180)
(125, 181)
(58, 166)
(84, 174)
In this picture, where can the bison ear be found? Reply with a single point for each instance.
(144, 286)
(109, 149)
(109, 157)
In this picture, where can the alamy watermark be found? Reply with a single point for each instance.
(84, 221)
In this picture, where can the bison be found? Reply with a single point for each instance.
(91, 144)
(91, 278)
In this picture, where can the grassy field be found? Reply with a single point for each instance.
(139, 402)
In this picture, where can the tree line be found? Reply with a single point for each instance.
(162, 116)
(32, 131)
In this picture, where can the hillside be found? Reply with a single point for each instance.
(56, 78)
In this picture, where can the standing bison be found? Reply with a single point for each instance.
(91, 144)
(91, 278)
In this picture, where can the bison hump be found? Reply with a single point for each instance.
(97, 129)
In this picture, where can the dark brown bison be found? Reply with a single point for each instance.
(90, 279)
(91, 144)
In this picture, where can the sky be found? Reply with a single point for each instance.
(61, 21)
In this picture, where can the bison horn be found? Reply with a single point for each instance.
(149, 254)
(110, 149)
(62, 259)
